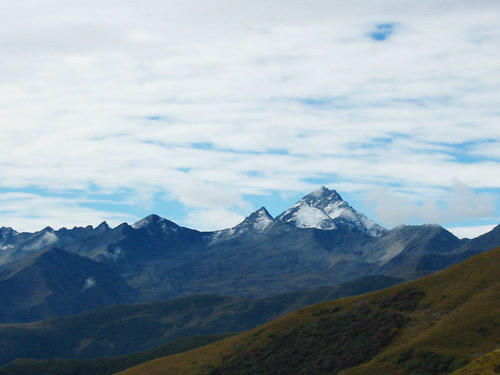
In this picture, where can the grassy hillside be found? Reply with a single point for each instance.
(119, 330)
(488, 364)
(431, 326)
(104, 366)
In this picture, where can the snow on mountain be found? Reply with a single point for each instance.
(7, 236)
(305, 216)
(325, 209)
(257, 222)
(7, 233)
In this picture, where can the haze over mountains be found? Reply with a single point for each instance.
(321, 240)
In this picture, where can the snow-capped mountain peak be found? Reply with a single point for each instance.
(259, 221)
(325, 209)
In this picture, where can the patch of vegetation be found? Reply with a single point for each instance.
(323, 311)
(483, 330)
(404, 300)
(325, 345)
(426, 362)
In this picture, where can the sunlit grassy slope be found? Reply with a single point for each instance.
(434, 325)
(488, 364)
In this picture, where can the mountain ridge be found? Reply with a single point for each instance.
(259, 257)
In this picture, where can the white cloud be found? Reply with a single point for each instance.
(207, 103)
(31, 212)
(471, 232)
(89, 283)
(46, 240)
(215, 219)
(457, 204)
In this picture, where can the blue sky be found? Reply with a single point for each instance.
(204, 112)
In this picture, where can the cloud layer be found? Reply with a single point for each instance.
(211, 104)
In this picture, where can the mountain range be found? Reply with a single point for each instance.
(320, 241)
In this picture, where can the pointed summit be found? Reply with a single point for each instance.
(155, 221)
(324, 198)
(258, 221)
(103, 227)
(7, 233)
(325, 209)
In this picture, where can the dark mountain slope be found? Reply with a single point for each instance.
(274, 262)
(429, 326)
(55, 283)
(414, 242)
(436, 262)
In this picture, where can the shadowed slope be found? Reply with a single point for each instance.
(56, 283)
(123, 329)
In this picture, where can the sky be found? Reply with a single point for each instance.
(204, 111)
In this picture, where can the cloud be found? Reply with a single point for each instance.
(459, 203)
(89, 283)
(30, 212)
(215, 219)
(472, 231)
(48, 238)
(208, 104)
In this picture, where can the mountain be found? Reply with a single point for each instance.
(15, 246)
(321, 240)
(325, 209)
(435, 262)
(433, 325)
(403, 247)
(123, 329)
(55, 283)
(257, 223)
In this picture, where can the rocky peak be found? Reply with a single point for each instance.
(258, 221)
(103, 227)
(155, 221)
(7, 232)
(325, 209)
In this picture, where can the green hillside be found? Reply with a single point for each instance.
(488, 364)
(431, 326)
